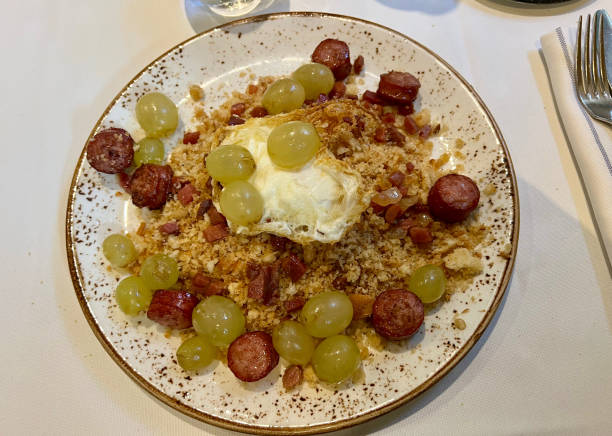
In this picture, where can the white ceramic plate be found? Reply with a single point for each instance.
(273, 45)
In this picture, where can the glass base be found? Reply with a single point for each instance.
(232, 8)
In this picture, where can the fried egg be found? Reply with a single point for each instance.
(318, 202)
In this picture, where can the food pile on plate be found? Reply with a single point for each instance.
(301, 220)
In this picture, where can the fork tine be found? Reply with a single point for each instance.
(590, 56)
(579, 60)
(595, 59)
(602, 76)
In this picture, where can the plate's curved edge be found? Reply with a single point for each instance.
(76, 275)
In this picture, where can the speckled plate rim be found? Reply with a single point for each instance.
(77, 277)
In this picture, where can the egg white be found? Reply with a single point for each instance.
(318, 202)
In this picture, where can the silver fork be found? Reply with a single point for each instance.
(591, 76)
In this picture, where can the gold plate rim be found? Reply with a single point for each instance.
(76, 275)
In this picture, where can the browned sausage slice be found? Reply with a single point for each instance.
(172, 308)
(252, 356)
(453, 197)
(398, 87)
(111, 151)
(150, 185)
(397, 314)
(335, 54)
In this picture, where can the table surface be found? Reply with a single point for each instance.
(544, 365)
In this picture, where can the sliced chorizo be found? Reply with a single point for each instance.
(279, 243)
(191, 137)
(203, 208)
(293, 266)
(215, 232)
(453, 197)
(186, 193)
(406, 110)
(410, 125)
(216, 217)
(258, 112)
(420, 235)
(296, 303)
(358, 65)
(172, 308)
(204, 286)
(398, 87)
(150, 185)
(169, 228)
(235, 120)
(252, 356)
(372, 97)
(397, 178)
(252, 270)
(111, 151)
(397, 314)
(238, 109)
(334, 54)
(338, 90)
(264, 284)
(293, 377)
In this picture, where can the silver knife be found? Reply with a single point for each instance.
(607, 31)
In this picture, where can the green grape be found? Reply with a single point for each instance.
(156, 114)
(119, 250)
(196, 353)
(151, 151)
(336, 359)
(133, 295)
(159, 271)
(292, 342)
(428, 283)
(218, 319)
(315, 78)
(293, 144)
(327, 314)
(241, 203)
(284, 95)
(230, 163)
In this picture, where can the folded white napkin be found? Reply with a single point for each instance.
(590, 140)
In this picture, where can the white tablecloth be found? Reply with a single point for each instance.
(544, 365)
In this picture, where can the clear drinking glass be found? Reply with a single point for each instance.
(232, 8)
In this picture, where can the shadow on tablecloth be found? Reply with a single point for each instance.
(429, 7)
(537, 10)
